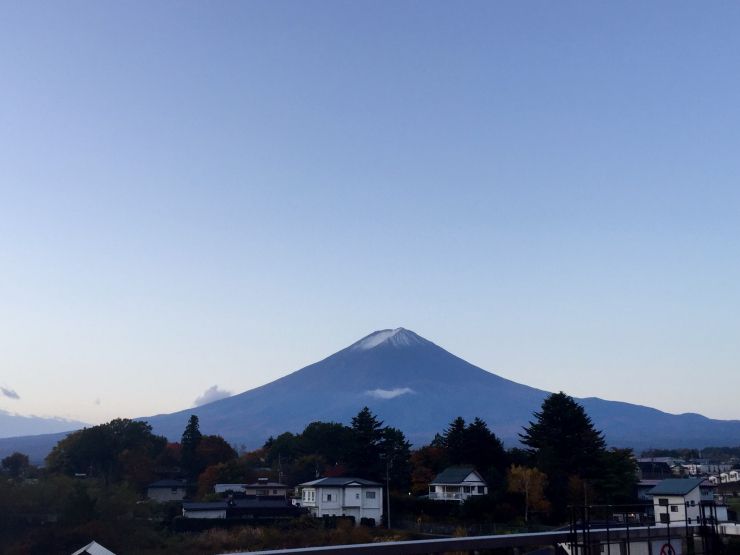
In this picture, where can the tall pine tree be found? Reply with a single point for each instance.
(566, 446)
(191, 437)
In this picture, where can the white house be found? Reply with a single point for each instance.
(354, 497)
(457, 483)
(167, 490)
(685, 500)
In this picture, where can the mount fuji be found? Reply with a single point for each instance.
(416, 386)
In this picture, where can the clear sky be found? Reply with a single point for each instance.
(199, 194)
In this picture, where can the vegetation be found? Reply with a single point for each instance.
(564, 444)
(94, 481)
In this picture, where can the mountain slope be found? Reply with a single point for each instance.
(16, 425)
(418, 387)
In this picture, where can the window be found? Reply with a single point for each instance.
(369, 495)
(674, 509)
(328, 496)
(357, 495)
(481, 489)
(173, 490)
(662, 501)
(466, 489)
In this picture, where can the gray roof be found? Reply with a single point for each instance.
(455, 475)
(340, 482)
(676, 486)
(265, 485)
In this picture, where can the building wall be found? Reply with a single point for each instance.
(205, 514)
(676, 510)
(166, 494)
(337, 501)
(223, 488)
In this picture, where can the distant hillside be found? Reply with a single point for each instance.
(15, 425)
(417, 386)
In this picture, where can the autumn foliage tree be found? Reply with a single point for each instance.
(530, 482)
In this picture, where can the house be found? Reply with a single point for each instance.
(457, 483)
(261, 488)
(167, 490)
(681, 501)
(93, 548)
(241, 509)
(264, 488)
(657, 468)
(355, 497)
(644, 487)
(229, 488)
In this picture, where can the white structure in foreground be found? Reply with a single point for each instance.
(343, 497)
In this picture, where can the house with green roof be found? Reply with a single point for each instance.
(457, 483)
(679, 501)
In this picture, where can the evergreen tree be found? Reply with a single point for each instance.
(191, 437)
(396, 452)
(364, 456)
(482, 449)
(565, 446)
(453, 441)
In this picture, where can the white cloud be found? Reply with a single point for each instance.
(9, 393)
(211, 394)
(389, 393)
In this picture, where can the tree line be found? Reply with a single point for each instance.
(562, 459)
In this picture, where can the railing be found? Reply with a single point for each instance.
(448, 496)
(540, 539)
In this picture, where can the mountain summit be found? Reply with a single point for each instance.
(398, 337)
(418, 387)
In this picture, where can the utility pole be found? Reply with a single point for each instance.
(388, 463)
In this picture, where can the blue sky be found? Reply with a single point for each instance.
(219, 193)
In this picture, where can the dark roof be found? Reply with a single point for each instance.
(341, 482)
(454, 475)
(675, 486)
(205, 506)
(168, 484)
(235, 504)
(265, 485)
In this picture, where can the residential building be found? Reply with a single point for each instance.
(261, 488)
(686, 501)
(167, 490)
(241, 509)
(457, 483)
(355, 497)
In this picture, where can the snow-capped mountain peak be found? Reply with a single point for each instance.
(398, 337)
